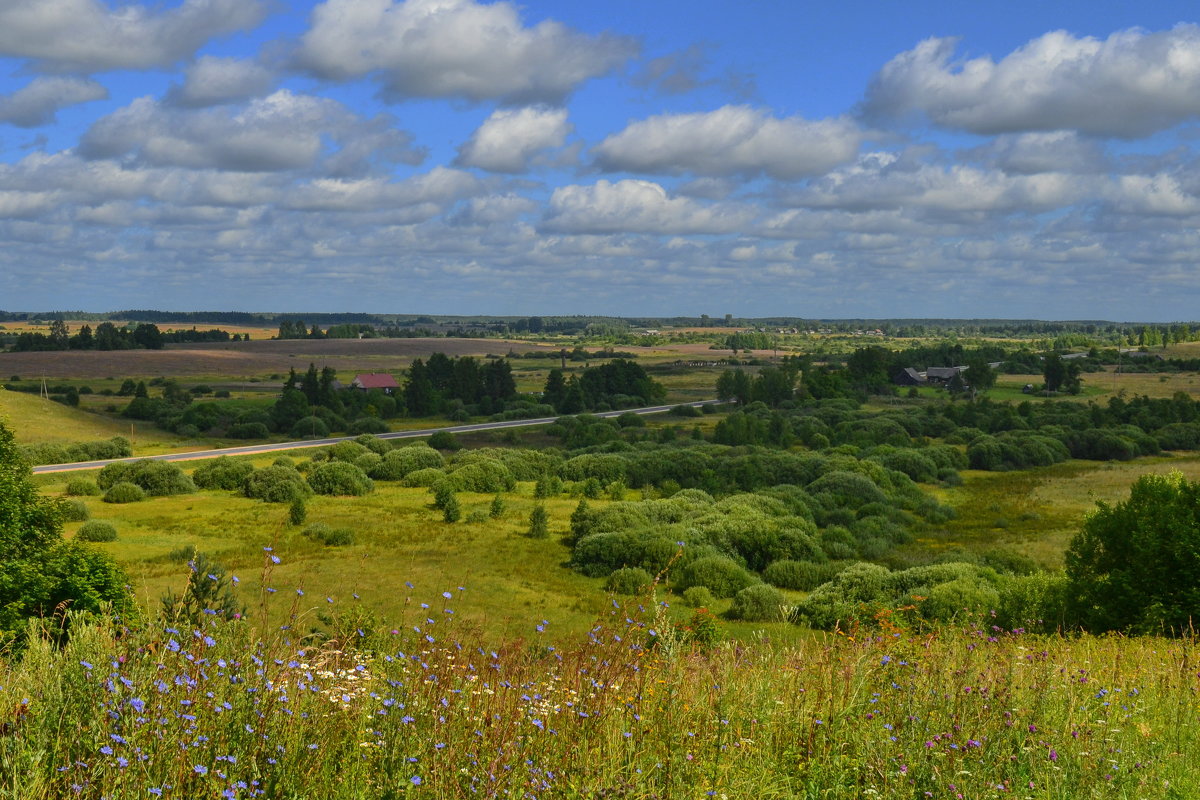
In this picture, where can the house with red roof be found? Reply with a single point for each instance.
(375, 380)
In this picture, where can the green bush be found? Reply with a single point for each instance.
(444, 440)
(486, 476)
(424, 477)
(222, 473)
(399, 463)
(368, 462)
(74, 510)
(309, 428)
(82, 487)
(276, 484)
(721, 575)
(628, 580)
(800, 576)
(96, 531)
(330, 537)
(156, 478)
(340, 478)
(698, 597)
(539, 522)
(247, 430)
(757, 603)
(367, 425)
(124, 492)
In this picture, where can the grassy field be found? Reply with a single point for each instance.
(34, 419)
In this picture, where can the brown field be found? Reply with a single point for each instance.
(248, 359)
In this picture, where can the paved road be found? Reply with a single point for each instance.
(254, 449)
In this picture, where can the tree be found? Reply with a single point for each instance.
(539, 522)
(1054, 371)
(40, 574)
(1135, 566)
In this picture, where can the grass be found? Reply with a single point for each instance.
(421, 705)
(34, 419)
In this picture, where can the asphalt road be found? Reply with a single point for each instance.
(253, 449)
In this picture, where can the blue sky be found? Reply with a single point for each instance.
(859, 159)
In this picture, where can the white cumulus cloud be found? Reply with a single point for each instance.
(1129, 85)
(634, 206)
(508, 139)
(88, 36)
(212, 81)
(733, 140)
(38, 102)
(454, 48)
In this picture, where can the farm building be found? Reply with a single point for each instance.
(375, 380)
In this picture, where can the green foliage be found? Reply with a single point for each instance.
(801, 576)
(124, 492)
(209, 592)
(399, 463)
(698, 597)
(757, 603)
(429, 476)
(340, 478)
(485, 476)
(310, 427)
(276, 484)
(222, 473)
(367, 426)
(157, 478)
(328, 536)
(539, 522)
(298, 511)
(96, 531)
(82, 487)
(74, 510)
(1135, 565)
(451, 510)
(444, 440)
(496, 509)
(628, 580)
(721, 575)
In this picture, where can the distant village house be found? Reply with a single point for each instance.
(375, 380)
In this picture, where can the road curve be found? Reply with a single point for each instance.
(255, 449)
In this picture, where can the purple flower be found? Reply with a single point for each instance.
(200, 769)
(1053, 754)
(415, 780)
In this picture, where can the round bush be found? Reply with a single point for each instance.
(698, 597)
(723, 576)
(444, 440)
(340, 478)
(222, 473)
(307, 427)
(158, 478)
(758, 603)
(368, 462)
(485, 477)
(367, 425)
(628, 580)
(82, 487)
(248, 430)
(96, 531)
(74, 510)
(424, 477)
(275, 484)
(800, 576)
(124, 492)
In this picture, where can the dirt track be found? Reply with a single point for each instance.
(247, 359)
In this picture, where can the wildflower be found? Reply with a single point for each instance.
(200, 769)
(415, 780)
(1053, 754)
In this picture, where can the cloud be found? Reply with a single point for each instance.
(436, 190)
(38, 102)
(637, 207)
(683, 71)
(454, 48)
(508, 139)
(212, 81)
(88, 36)
(733, 140)
(1129, 85)
(1031, 153)
(280, 132)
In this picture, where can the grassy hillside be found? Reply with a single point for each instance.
(34, 419)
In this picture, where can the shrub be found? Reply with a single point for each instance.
(346, 451)
(368, 462)
(124, 492)
(367, 425)
(157, 478)
(209, 592)
(698, 597)
(846, 489)
(496, 509)
(298, 512)
(222, 473)
(82, 487)
(330, 537)
(485, 476)
(340, 478)
(276, 484)
(800, 576)
(757, 603)
(539, 522)
(96, 531)
(248, 430)
(628, 580)
(444, 440)
(424, 477)
(398, 463)
(721, 575)
(451, 510)
(309, 427)
(74, 510)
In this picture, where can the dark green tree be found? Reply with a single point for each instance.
(1135, 565)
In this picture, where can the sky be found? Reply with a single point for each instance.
(630, 158)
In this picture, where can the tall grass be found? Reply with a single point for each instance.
(428, 707)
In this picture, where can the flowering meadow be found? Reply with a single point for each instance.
(639, 707)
